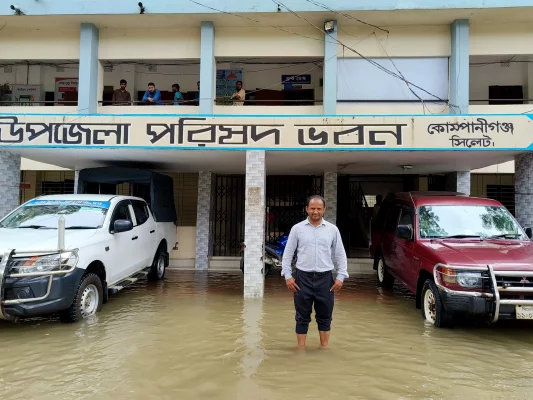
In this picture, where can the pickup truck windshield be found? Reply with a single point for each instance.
(462, 221)
(44, 214)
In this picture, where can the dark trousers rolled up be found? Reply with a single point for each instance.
(314, 289)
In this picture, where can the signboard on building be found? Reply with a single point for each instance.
(296, 79)
(227, 81)
(26, 95)
(272, 133)
(64, 85)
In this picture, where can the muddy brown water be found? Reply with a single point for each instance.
(195, 337)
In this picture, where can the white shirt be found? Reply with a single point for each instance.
(316, 247)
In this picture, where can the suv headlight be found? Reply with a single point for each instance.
(53, 262)
(469, 279)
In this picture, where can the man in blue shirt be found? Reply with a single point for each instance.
(197, 95)
(152, 96)
(178, 97)
(317, 243)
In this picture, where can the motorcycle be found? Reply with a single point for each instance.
(273, 255)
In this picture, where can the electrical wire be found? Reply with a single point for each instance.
(316, 3)
(377, 65)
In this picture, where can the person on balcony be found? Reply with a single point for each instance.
(239, 95)
(178, 97)
(121, 97)
(152, 96)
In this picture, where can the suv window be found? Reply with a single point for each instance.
(407, 217)
(141, 211)
(122, 211)
(392, 218)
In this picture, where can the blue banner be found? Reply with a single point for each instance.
(65, 203)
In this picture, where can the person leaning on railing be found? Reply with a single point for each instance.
(121, 97)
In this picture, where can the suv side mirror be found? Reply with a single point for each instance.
(405, 232)
(122, 225)
(529, 232)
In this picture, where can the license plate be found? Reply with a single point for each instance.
(524, 312)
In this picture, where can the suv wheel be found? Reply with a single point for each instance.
(432, 308)
(385, 279)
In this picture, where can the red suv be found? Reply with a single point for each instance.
(462, 257)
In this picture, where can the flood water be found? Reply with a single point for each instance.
(194, 337)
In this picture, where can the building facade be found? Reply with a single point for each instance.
(348, 101)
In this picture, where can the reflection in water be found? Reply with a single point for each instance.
(194, 337)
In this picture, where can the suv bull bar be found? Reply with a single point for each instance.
(496, 291)
(8, 255)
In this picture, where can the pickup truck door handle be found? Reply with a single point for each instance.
(152, 231)
(135, 238)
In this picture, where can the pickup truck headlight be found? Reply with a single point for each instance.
(469, 279)
(48, 263)
(465, 279)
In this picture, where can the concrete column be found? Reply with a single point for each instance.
(330, 71)
(460, 67)
(254, 224)
(524, 189)
(207, 68)
(90, 83)
(458, 182)
(330, 195)
(9, 182)
(204, 219)
(76, 180)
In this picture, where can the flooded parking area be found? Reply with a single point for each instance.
(193, 336)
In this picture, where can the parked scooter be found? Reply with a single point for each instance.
(273, 255)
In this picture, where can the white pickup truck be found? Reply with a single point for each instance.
(65, 254)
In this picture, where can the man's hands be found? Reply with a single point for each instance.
(291, 285)
(336, 286)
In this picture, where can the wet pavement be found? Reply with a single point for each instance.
(195, 337)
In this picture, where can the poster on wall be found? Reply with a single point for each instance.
(26, 95)
(226, 81)
(64, 85)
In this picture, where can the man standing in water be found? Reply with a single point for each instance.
(317, 242)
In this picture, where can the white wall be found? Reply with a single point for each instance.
(35, 44)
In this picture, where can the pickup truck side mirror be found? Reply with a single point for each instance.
(529, 232)
(123, 225)
(405, 232)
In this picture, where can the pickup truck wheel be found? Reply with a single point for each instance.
(158, 268)
(385, 279)
(87, 300)
(432, 308)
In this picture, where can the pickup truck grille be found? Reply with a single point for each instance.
(514, 281)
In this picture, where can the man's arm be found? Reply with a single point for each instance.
(128, 97)
(145, 97)
(340, 257)
(157, 95)
(288, 253)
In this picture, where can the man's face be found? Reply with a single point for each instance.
(239, 86)
(151, 88)
(123, 86)
(174, 89)
(315, 210)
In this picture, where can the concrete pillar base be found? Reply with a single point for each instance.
(458, 182)
(9, 182)
(254, 224)
(524, 189)
(330, 195)
(203, 219)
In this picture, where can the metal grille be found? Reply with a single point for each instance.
(504, 194)
(63, 187)
(286, 198)
(228, 229)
